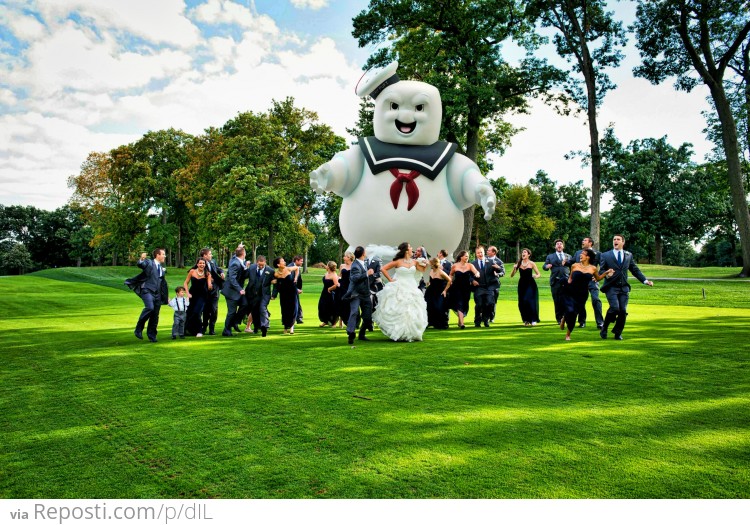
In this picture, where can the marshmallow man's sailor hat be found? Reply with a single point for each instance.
(376, 80)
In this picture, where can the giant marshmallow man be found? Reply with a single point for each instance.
(403, 183)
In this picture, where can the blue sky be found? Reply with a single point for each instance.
(78, 76)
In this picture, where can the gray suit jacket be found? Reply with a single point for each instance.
(258, 288)
(235, 279)
(559, 271)
(359, 282)
(619, 279)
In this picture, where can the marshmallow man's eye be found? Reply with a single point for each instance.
(394, 106)
(419, 107)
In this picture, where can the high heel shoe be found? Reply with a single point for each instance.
(462, 326)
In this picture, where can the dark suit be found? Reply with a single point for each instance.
(211, 311)
(375, 280)
(258, 295)
(617, 287)
(151, 287)
(596, 303)
(446, 265)
(559, 274)
(496, 292)
(298, 283)
(233, 285)
(359, 296)
(484, 292)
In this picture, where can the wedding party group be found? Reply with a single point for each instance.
(403, 297)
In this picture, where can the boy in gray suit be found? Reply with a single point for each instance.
(179, 304)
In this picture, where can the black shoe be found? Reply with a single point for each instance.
(236, 328)
(299, 321)
(351, 337)
(462, 326)
(174, 337)
(255, 331)
(211, 333)
(477, 325)
(362, 337)
(599, 327)
(581, 325)
(152, 339)
(603, 333)
(263, 332)
(227, 333)
(138, 334)
(182, 337)
(486, 324)
(618, 337)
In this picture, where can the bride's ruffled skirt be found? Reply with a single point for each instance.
(402, 311)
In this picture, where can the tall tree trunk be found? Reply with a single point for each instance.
(271, 236)
(472, 149)
(596, 156)
(658, 249)
(341, 250)
(734, 171)
(518, 249)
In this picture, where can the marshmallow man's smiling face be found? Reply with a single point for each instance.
(408, 112)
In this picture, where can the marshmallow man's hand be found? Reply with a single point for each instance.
(320, 179)
(486, 199)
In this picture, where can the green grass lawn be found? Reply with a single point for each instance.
(89, 411)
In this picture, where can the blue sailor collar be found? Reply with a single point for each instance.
(427, 160)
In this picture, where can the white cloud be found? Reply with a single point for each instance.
(23, 27)
(160, 22)
(7, 97)
(310, 4)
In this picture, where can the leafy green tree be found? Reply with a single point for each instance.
(117, 223)
(591, 40)
(15, 258)
(248, 181)
(457, 47)
(522, 212)
(695, 41)
(565, 205)
(657, 190)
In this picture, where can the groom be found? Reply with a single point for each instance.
(359, 296)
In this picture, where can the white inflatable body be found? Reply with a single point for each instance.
(377, 208)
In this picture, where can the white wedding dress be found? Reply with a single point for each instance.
(402, 311)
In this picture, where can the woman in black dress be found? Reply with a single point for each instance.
(344, 306)
(576, 293)
(528, 293)
(198, 283)
(328, 312)
(286, 289)
(435, 295)
(462, 273)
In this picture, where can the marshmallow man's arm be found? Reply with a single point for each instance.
(467, 187)
(341, 174)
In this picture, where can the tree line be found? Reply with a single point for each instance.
(248, 179)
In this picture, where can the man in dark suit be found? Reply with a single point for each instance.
(485, 286)
(494, 259)
(616, 286)
(445, 264)
(557, 263)
(151, 287)
(234, 290)
(298, 262)
(258, 293)
(212, 302)
(376, 281)
(359, 296)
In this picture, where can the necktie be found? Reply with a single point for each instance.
(481, 264)
(619, 257)
(559, 256)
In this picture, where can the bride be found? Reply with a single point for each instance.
(402, 310)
